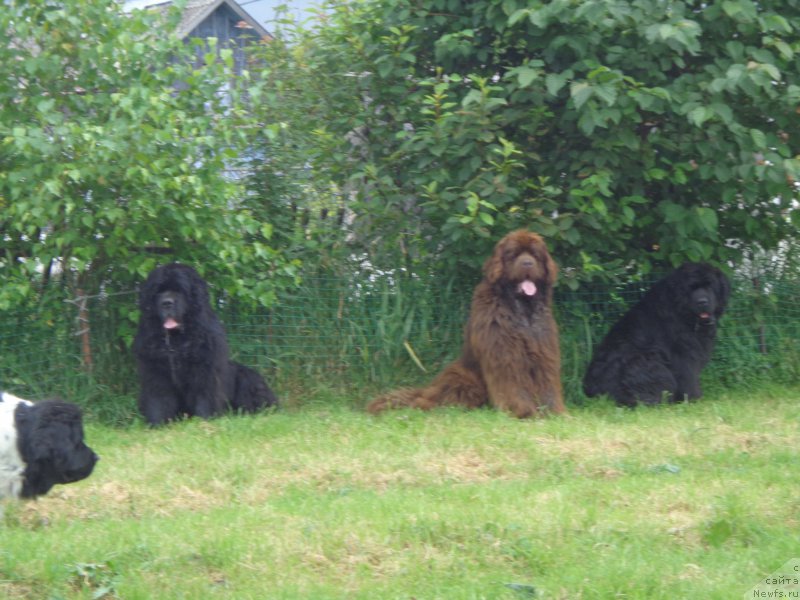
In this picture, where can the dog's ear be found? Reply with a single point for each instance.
(197, 292)
(551, 267)
(36, 442)
(722, 289)
(493, 267)
(148, 291)
(53, 425)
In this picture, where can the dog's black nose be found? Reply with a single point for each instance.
(167, 303)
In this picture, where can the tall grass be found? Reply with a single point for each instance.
(385, 333)
(369, 333)
(326, 502)
(356, 330)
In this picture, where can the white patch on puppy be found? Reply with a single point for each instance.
(12, 467)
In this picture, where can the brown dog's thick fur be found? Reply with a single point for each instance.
(511, 357)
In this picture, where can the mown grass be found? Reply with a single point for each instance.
(326, 502)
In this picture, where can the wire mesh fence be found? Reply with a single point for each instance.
(354, 333)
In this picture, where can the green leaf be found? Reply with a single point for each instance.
(708, 219)
(777, 22)
(723, 111)
(673, 213)
(656, 174)
(786, 51)
(509, 7)
(699, 115)
(526, 76)
(599, 206)
(45, 105)
(518, 15)
(53, 186)
(472, 203)
(735, 73)
(580, 92)
(628, 214)
(587, 122)
(733, 8)
(385, 68)
(759, 139)
(226, 55)
(555, 81)
(666, 31)
(722, 172)
(607, 93)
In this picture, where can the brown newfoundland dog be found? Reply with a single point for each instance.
(511, 357)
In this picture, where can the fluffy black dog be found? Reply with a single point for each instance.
(41, 444)
(182, 353)
(657, 350)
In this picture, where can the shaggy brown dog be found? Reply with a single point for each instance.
(511, 357)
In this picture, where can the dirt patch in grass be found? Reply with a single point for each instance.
(113, 499)
(14, 590)
(585, 448)
(102, 499)
(466, 466)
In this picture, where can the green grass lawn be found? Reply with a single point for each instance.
(326, 502)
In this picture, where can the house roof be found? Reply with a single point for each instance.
(196, 11)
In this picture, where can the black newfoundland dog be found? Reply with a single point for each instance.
(182, 353)
(41, 444)
(657, 350)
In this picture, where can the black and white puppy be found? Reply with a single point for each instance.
(41, 444)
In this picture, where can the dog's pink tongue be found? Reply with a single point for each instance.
(170, 324)
(527, 287)
(704, 315)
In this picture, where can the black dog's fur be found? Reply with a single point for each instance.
(51, 444)
(48, 437)
(659, 347)
(182, 353)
